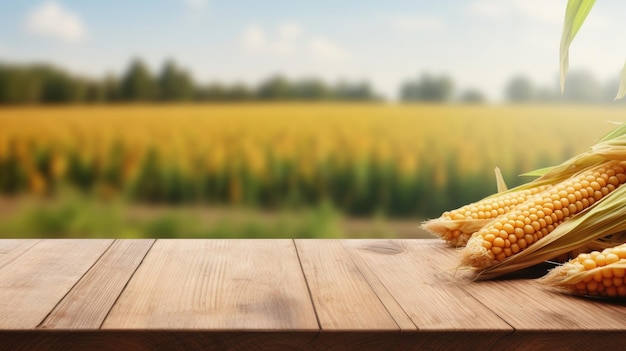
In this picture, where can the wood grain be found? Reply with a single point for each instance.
(34, 282)
(396, 311)
(10, 249)
(420, 278)
(343, 298)
(91, 299)
(218, 285)
(280, 294)
(527, 306)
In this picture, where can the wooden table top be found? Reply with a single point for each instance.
(305, 294)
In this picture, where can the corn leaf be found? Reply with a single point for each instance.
(575, 14)
(500, 183)
(537, 172)
(605, 147)
(615, 133)
(614, 149)
(622, 84)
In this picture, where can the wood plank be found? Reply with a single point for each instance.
(343, 298)
(154, 340)
(528, 306)
(563, 340)
(173, 340)
(10, 249)
(91, 299)
(252, 294)
(32, 284)
(219, 285)
(398, 314)
(420, 275)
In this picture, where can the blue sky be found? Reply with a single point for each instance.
(479, 43)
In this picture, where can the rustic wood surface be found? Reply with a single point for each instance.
(176, 294)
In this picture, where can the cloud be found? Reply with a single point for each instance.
(52, 20)
(289, 31)
(254, 39)
(416, 23)
(327, 50)
(288, 39)
(197, 4)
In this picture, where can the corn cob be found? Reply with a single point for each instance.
(456, 226)
(595, 274)
(528, 222)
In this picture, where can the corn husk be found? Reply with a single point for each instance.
(500, 183)
(605, 217)
(442, 227)
(591, 229)
(606, 148)
(593, 226)
(595, 245)
(566, 276)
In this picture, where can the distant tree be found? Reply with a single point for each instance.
(354, 92)
(48, 84)
(274, 88)
(545, 94)
(428, 89)
(520, 89)
(112, 88)
(95, 91)
(211, 92)
(138, 83)
(311, 89)
(239, 92)
(19, 85)
(472, 96)
(175, 84)
(60, 87)
(581, 86)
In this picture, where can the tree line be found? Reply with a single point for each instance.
(46, 84)
(580, 87)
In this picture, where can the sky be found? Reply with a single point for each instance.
(480, 44)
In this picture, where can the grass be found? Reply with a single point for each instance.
(75, 215)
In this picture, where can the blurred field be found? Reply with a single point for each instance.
(75, 216)
(391, 161)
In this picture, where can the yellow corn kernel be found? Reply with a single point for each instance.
(557, 197)
(506, 202)
(592, 274)
(456, 226)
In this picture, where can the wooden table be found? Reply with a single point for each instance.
(279, 294)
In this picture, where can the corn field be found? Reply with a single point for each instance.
(399, 160)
